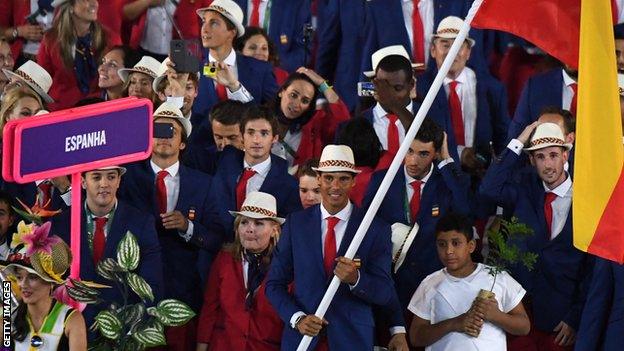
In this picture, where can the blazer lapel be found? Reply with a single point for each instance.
(115, 232)
(312, 237)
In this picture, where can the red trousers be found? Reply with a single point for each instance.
(182, 338)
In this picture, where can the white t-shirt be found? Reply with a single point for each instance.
(442, 296)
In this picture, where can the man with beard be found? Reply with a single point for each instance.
(542, 200)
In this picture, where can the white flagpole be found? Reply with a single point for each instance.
(396, 163)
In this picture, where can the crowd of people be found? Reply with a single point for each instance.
(277, 146)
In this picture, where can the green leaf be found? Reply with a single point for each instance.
(150, 337)
(173, 312)
(80, 295)
(140, 287)
(128, 252)
(132, 314)
(108, 324)
(108, 269)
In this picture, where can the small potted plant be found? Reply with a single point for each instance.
(129, 326)
(503, 252)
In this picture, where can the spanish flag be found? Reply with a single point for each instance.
(598, 194)
(580, 34)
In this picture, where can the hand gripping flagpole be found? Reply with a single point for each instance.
(396, 163)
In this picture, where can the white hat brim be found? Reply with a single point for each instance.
(336, 169)
(124, 73)
(240, 29)
(47, 98)
(453, 36)
(567, 146)
(371, 74)
(256, 216)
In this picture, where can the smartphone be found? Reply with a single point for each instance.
(366, 89)
(163, 130)
(185, 55)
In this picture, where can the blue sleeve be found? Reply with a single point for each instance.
(459, 184)
(328, 36)
(596, 311)
(500, 117)
(269, 87)
(573, 317)
(375, 285)
(202, 236)
(521, 116)
(495, 186)
(371, 44)
(281, 274)
(151, 268)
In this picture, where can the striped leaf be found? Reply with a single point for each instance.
(107, 268)
(140, 287)
(128, 252)
(172, 312)
(108, 324)
(132, 314)
(150, 337)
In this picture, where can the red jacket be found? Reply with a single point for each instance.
(13, 13)
(185, 17)
(110, 15)
(225, 323)
(320, 131)
(64, 90)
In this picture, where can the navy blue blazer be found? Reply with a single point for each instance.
(255, 75)
(492, 115)
(541, 90)
(602, 323)
(446, 190)
(126, 218)
(558, 283)
(286, 30)
(180, 258)
(278, 183)
(341, 39)
(384, 26)
(202, 158)
(299, 259)
(28, 192)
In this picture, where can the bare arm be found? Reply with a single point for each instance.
(76, 331)
(423, 333)
(134, 9)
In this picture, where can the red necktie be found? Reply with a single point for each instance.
(241, 187)
(255, 14)
(46, 194)
(221, 93)
(457, 119)
(548, 211)
(415, 201)
(614, 11)
(418, 35)
(99, 240)
(393, 134)
(330, 245)
(574, 87)
(161, 191)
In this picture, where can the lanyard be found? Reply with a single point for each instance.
(90, 223)
(267, 16)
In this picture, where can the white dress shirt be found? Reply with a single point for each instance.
(409, 180)
(467, 92)
(264, 4)
(172, 184)
(567, 94)
(241, 94)
(560, 206)
(425, 9)
(340, 227)
(158, 28)
(293, 140)
(381, 122)
(262, 169)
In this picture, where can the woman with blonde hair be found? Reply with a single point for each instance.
(236, 315)
(18, 104)
(72, 49)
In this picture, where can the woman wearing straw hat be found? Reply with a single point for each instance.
(39, 263)
(236, 314)
(139, 79)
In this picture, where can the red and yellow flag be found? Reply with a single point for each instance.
(598, 198)
(580, 33)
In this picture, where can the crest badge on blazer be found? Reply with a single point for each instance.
(283, 39)
(435, 211)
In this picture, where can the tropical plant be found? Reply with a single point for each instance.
(36, 213)
(130, 326)
(503, 250)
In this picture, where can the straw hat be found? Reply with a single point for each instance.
(57, 3)
(389, 51)
(337, 158)
(621, 84)
(122, 170)
(147, 65)
(230, 10)
(547, 135)
(259, 205)
(169, 110)
(449, 28)
(35, 76)
(34, 250)
(160, 74)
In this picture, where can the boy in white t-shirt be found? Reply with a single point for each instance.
(444, 305)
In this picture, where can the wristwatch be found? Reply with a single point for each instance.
(14, 33)
(298, 320)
